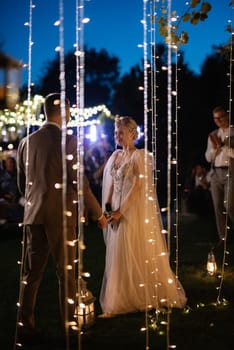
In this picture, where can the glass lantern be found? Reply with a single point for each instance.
(85, 311)
(10, 77)
(211, 265)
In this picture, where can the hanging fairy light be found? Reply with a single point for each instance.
(145, 97)
(27, 184)
(226, 203)
(85, 311)
(14, 123)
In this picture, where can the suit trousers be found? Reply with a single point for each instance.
(222, 191)
(41, 241)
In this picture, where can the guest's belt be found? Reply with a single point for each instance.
(221, 167)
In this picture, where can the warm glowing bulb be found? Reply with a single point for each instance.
(86, 20)
(69, 157)
(82, 305)
(70, 301)
(58, 186)
(71, 243)
(57, 23)
(86, 274)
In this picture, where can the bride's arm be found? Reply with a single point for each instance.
(128, 200)
(132, 194)
(138, 181)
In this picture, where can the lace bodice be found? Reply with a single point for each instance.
(118, 173)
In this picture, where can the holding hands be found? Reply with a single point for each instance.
(102, 222)
(114, 217)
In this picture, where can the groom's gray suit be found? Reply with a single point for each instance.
(43, 218)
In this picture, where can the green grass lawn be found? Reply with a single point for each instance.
(202, 325)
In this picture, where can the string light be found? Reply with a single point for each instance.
(145, 94)
(14, 123)
(83, 119)
(226, 202)
(153, 113)
(79, 54)
(29, 85)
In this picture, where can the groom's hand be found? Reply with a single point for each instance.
(102, 222)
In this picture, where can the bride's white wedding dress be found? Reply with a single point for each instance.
(137, 270)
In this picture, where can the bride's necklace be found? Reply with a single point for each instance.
(123, 157)
(128, 151)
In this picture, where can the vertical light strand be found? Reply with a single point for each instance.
(64, 167)
(29, 102)
(80, 63)
(153, 86)
(176, 163)
(153, 110)
(28, 112)
(225, 252)
(169, 123)
(145, 144)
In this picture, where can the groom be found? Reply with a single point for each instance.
(40, 180)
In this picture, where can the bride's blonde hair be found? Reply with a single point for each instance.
(129, 123)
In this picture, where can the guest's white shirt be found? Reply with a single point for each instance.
(220, 156)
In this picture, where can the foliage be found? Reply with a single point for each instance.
(194, 13)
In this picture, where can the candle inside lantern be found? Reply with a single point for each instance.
(211, 264)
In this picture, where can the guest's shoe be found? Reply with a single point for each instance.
(106, 315)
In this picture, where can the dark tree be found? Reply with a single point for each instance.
(101, 77)
(214, 82)
(128, 98)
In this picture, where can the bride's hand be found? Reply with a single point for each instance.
(115, 216)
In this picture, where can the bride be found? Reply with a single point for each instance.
(137, 272)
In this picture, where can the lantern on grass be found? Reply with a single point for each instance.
(211, 265)
(85, 310)
(10, 76)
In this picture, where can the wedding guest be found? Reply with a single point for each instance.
(197, 191)
(11, 211)
(47, 227)
(220, 153)
(94, 166)
(137, 272)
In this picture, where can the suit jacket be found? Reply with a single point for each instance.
(44, 200)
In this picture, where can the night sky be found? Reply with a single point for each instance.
(114, 25)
